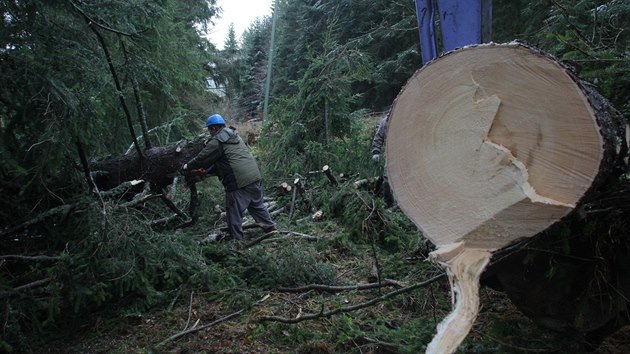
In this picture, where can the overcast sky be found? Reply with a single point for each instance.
(239, 12)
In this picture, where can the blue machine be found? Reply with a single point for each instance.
(462, 22)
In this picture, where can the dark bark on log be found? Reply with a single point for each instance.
(588, 280)
(160, 166)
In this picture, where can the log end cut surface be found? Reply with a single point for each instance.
(491, 144)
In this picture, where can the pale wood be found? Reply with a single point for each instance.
(464, 268)
(491, 144)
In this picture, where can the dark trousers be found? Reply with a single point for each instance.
(248, 198)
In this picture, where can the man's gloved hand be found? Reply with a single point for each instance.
(376, 157)
(200, 172)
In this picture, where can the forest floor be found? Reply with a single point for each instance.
(499, 328)
(207, 322)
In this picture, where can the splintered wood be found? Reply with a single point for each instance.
(488, 145)
(464, 269)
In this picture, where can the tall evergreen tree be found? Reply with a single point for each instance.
(591, 36)
(255, 54)
(58, 94)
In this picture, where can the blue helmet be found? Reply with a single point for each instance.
(215, 119)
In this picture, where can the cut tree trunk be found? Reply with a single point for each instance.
(489, 145)
(159, 166)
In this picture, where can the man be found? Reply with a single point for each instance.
(237, 170)
(378, 144)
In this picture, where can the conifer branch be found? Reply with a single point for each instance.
(91, 20)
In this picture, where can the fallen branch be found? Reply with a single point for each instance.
(28, 258)
(260, 239)
(353, 307)
(169, 203)
(28, 286)
(197, 329)
(291, 235)
(120, 189)
(140, 200)
(277, 211)
(301, 235)
(189, 310)
(336, 289)
(162, 222)
(213, 323)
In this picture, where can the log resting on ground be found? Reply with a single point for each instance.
(492, 144)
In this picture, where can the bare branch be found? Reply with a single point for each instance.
(28, 258)
(213, 323)
(336, 289)
(28, 286)
(353, 307)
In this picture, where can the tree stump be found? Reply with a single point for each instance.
(491, 144)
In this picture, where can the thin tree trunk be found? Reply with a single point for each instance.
(86, 166)
(326, 122)
(119, 90)
(141, 113)
(142, 117)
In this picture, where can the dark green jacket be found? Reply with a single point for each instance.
(233, 163)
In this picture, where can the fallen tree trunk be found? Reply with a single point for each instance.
(492, 144)
(159, 166)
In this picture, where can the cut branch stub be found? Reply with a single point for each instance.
(328, 172)
(491, 144)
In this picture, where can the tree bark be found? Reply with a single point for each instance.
(159, 167)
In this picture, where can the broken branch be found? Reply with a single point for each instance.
(353, 307)
(336, 289)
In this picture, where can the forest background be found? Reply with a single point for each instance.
(83, 80)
